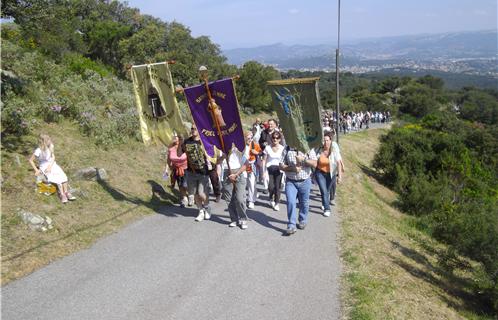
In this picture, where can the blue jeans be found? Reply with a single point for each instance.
(294, 190)
(326, 183)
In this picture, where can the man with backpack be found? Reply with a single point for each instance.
(197, 173)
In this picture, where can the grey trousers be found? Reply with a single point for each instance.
(236, 200)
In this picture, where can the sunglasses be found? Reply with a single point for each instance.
(275, 138)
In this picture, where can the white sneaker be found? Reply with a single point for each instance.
(232, 224)
(190, 200)
(200, 216)
(243, 225)
(207, 214)
(250, 205)
(326, 213)
(323, 208)
(257, 195)
(276, 207)
(273, 204)
(184, 201)
(332, 202)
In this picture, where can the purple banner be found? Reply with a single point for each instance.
(224, 111)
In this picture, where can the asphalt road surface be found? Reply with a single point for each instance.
(167, 266)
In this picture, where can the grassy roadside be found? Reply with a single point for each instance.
(392, 270)
(102, 208)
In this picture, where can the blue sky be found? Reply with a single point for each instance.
(245, 23)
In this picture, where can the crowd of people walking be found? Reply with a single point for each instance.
(355, 121)
(266, 160)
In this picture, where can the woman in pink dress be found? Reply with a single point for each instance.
(177, 163)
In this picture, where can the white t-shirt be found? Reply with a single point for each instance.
(44, 157)
(273, 158)
(236, 160)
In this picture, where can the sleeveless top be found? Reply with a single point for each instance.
(323, 164)
(177, 161)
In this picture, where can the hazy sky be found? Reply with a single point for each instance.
(239, 23)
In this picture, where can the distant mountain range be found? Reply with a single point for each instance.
(473, 52)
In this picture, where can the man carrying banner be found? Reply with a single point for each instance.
(298, 107)
(215, 112)
(298, 170)
(234, 188)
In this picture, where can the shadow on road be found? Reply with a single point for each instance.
(266, 221)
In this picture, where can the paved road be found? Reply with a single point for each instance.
(168, 266)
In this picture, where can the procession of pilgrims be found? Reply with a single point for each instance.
(214, 158)
(256, 174)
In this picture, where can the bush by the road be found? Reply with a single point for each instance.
(40, 89)
(444, 170)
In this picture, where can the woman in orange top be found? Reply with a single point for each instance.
(252, 151)
(327, 171)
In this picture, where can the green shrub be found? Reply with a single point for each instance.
(80, 64)
(102, 105)
(438, 171)
(15, 115)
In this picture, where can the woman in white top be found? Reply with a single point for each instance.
(272, 155)
(47, 167)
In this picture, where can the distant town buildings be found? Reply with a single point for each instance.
(471, 66)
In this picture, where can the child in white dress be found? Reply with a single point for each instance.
(47, 167)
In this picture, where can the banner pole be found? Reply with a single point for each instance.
(204, 75)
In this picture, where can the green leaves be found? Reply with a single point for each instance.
(252, 89)
(478, 105)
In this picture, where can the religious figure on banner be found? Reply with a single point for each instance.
(155, 105)
(297, 103)
(216, 103)
(216, 114)
(285, 98)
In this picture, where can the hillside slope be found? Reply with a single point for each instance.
(134, 171)
(392, 270)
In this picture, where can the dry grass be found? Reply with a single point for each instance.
(391, 268)
(133, 170)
